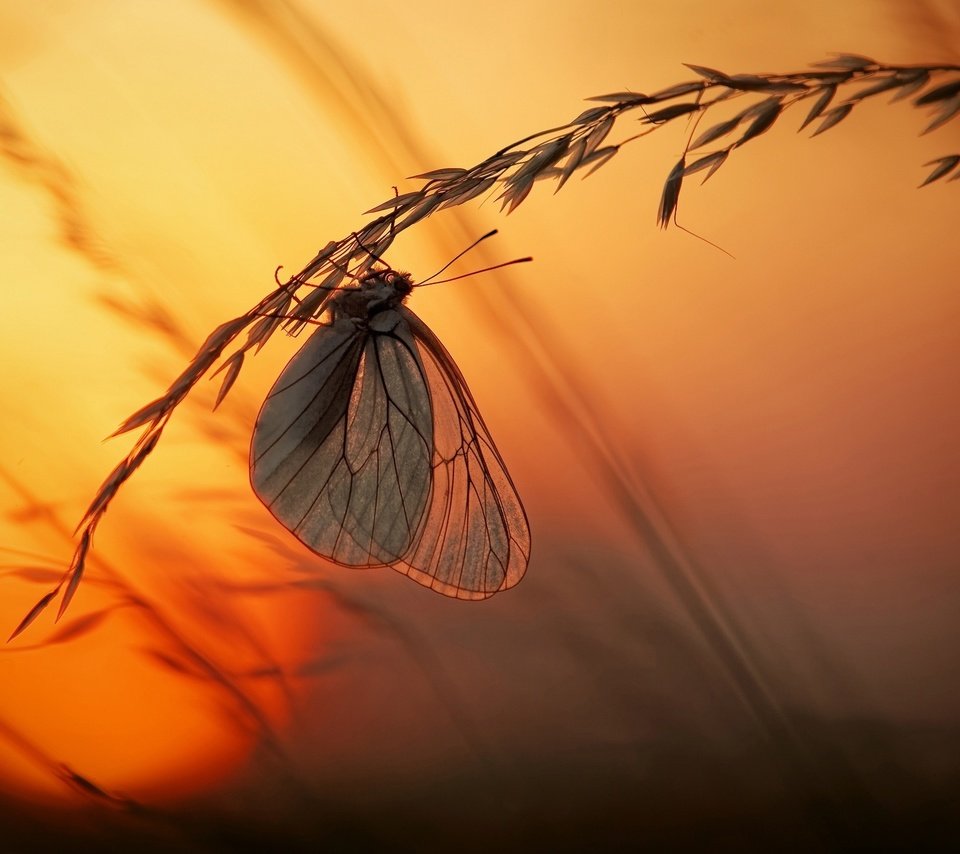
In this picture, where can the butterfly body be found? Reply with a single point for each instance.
(370, 450)
(377, 292)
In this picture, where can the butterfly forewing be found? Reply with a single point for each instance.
(386, 470)
(354, 489)
(303, 413)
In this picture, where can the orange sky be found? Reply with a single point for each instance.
(793, 412)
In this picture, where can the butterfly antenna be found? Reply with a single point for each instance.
(474, 273)
(369, 252)
(428, 281)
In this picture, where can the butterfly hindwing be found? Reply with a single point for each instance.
(475, 540)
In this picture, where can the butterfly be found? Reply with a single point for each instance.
(370, 449)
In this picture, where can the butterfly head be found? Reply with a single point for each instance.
(376, 291)
(388, 284)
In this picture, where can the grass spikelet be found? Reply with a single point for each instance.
(550, 155)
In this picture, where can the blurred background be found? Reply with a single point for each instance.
(739, 624)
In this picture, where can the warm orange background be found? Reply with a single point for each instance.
(793, 413)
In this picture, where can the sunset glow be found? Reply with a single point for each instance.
(777, 429)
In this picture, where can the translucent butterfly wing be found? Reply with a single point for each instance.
(475, 540)
(342, 447)
(371, 450)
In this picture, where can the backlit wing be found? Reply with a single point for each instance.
(342, 447)
(474, 539)
(371, 450)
